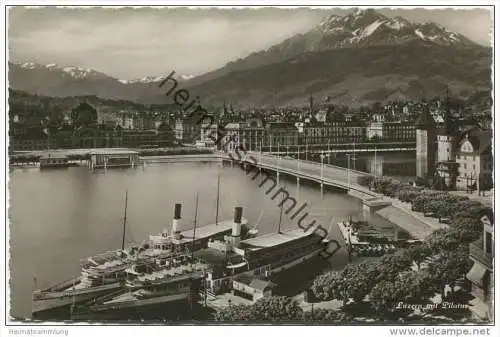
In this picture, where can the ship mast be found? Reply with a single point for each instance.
(281, 212)
(194, 229)
(217, 205)
(124, 221)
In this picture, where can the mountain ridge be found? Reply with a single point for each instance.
(353, 30)
(333, 52)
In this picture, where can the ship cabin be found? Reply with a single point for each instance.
(203, 236)
(169, 275)
(224, 264)
(104, 268)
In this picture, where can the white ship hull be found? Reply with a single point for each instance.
(54, 300)
(136, 303)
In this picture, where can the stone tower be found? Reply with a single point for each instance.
(446, 137)
(426, 144)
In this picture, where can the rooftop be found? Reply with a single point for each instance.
(480, 140)
(254, 282)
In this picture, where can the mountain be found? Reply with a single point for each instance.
(356, 76)
(360, 28)
(157, 79)
(57, 81)
(358, 58)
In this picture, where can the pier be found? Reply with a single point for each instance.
(113, 158)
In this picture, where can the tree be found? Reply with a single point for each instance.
(275, 308)
(365, 180)
(390, 266)
(449, 266)
(409, 288)
(331, 285)
(418, 254)
(418, 203)
(354, 282)
(419, 181)
(235, 313)
(408, 193)
(326, 316)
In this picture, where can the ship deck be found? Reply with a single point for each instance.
(172, 274)
(205, 232)
(274, 239)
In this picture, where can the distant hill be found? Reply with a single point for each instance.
(352, 76)
(57, 81)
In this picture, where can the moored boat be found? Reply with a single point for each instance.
(105, 273)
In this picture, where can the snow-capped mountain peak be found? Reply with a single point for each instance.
(77, 72)
(155, 79)
(28, 65)
(367, 26)
(69, 71)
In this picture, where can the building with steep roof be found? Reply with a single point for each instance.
(474, 158)
(84, 115)
(457, 155)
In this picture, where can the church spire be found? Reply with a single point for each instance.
(425, 120)
(449, 125)
(311, 104)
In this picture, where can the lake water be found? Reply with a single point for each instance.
(58, 217)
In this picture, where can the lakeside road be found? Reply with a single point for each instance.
(418, 226)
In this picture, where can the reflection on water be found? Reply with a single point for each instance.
(58, 217)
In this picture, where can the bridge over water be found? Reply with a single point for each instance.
(323, 174)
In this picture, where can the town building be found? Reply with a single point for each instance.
(208, 134)
(374, 130)
(185, 131)
(446, 166)
(481, 273)
(457, 156)
(251, 287)
(278, 134)
(84, 115)
(475, 159)
(400, 132)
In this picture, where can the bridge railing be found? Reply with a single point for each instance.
(349, 186)
(319, 165)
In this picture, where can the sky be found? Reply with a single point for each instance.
(130, 43)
